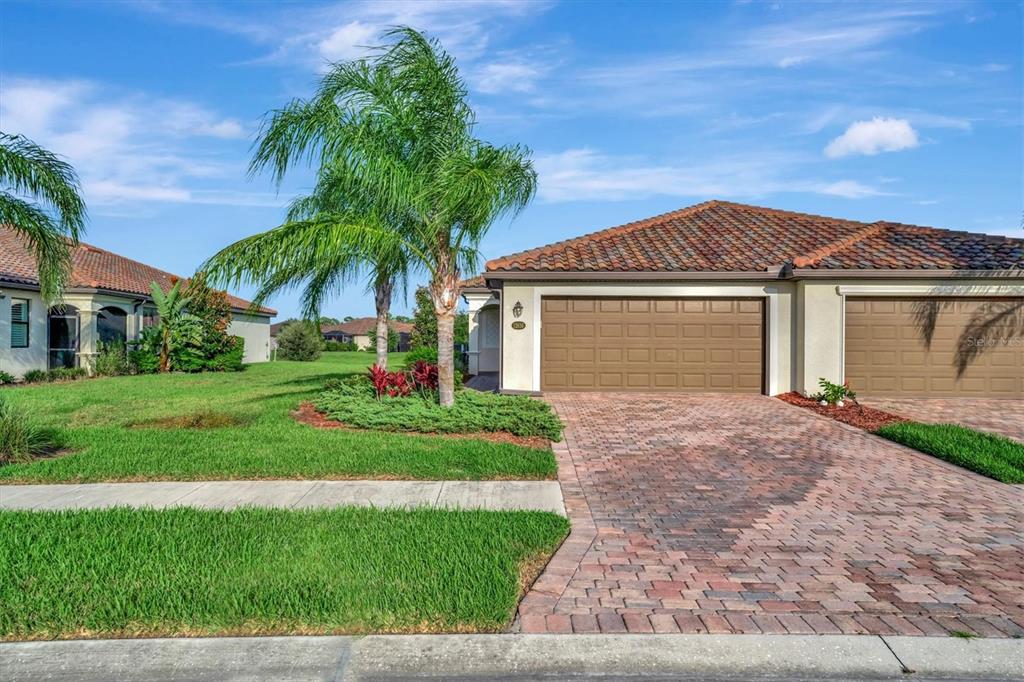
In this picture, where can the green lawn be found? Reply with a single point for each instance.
(238, 426)
(123, 572)
(988, 454)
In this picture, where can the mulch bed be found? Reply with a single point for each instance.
(852, 413)
(307, 414)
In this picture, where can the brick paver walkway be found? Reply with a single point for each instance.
(1002, 416)
(744, 514)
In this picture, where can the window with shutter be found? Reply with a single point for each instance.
(19, 323)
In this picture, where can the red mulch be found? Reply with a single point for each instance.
(854, 414)
(307, 414)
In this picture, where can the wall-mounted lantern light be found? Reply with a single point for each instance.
(517, 309)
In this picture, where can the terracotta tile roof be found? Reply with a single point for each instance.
(720, 236)
(365, 326)
(91, 268)
(477, 282)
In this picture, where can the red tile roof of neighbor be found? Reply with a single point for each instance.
(720, 236)
(358, 327)
(91, 268)
(365, 325)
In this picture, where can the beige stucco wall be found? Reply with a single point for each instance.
(255, 330)
(521, 348)
(17, 361)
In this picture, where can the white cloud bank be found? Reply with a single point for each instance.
(588, 175)
(129, 148)
(873, 137)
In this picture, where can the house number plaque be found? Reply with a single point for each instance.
(519, 324)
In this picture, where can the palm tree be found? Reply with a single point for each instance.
(39, 199)
(398, 128)
(317, 247)
(175, 325)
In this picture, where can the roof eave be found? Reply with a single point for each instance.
(836, 273)
(617, 275)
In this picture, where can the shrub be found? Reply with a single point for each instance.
(834, 393)
(20, 438)
(421, 353)
(298, 341)
(391, 384)
(6, 378)
(112, 360)
(424, 375)
(472, 412)
(66, 374)
(231, 359)
(34, 376)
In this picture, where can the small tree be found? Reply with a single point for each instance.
(299, 341)
(424, 321)
(212, 309)
(176, 327)
(461, 328)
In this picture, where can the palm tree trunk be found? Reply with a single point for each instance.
(446, 358)
(444, 291)
(382, 299)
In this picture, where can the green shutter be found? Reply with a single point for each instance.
(19, 323)
(19, 310)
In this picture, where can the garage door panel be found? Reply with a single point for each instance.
(652, 344)
(887, 353)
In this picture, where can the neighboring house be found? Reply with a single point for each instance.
(107, 299)
(723, 297)
(359, 331)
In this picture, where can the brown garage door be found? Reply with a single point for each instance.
(971, 353)
(651, 344)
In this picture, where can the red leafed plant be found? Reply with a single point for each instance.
(394, 384)
(424, 375)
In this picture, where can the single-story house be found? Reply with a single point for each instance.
(358, 331)
(107, 299)
(724, 297)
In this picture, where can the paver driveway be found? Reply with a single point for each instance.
(744, 514)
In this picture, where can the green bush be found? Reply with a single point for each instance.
(6, 378)
(21, 439)
(34, 376)
(298, 341)
(112, 360)
(350, 402)
(66, 374)
(422, 353)
(333, 346)
(231, 359)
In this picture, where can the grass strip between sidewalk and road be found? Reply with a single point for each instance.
(985, 453)
(189, 572)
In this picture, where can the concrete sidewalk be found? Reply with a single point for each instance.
(517, 657)
(500, 495)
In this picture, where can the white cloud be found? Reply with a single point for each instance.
(588, 175)
(498, 77)
(127, 147)
(348, 41)
(342, 31)
(849, 189)
(872, 137)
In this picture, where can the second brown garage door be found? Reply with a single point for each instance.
(974, 347)
(651, 344)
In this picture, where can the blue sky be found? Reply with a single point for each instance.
(904, 112)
